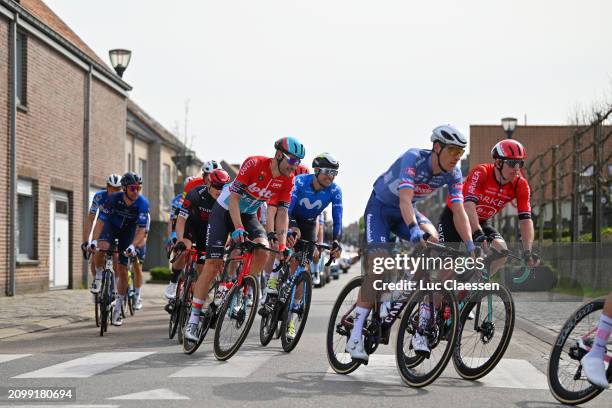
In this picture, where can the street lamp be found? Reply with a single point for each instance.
(120, 59)
(509, 124)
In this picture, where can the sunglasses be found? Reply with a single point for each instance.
(293, 161)
(455, 150)
(330, 172)
(514, 163)
(134, 188)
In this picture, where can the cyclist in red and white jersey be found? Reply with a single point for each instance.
(487, 189)
(260, 179)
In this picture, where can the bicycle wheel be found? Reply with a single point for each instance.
(565, 379)
(105, 300)
(177, 305)
(268, 323)
(299, 309)
(97, 308)
(482, 342)
(440, 334)
(339, 328)
(236, 318)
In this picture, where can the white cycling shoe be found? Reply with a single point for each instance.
(595, 371)
(356, 350)
(170, 291)
(420, 346)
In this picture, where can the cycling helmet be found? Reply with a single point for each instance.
(449, 135)
(209, 166)
(508, 149)
(189, 179)
(325, 161)
(130, 178)
(290, 145)
(114, 180)
(301, 169)
(218, 178)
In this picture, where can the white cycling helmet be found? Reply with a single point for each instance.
(114, 180)
(209, 166)
(449, 135)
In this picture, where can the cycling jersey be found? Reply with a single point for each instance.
(197, 207)
(413, 170)
(490, 197)
(256, 185)
(116, 212)
(306, 203)
(98, 201)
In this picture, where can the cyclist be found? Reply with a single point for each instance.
(113, 185)
(487, 189)
(260, 179)
(593, 362)
(123, 217)
(207, 168)
(391, 209)
(192, 222)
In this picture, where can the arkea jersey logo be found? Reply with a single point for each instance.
(306, 203)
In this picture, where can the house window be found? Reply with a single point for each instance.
(25, 220)
(142, 170)
(21, 69)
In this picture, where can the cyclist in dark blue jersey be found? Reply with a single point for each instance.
(124, 217)
(391, 209)
(113, 185)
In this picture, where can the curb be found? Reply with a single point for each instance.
(540, 332)
(42, 325)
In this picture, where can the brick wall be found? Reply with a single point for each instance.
(4, 155)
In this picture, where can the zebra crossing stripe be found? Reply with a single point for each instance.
(241, 365)
(10, 357)
(87, 366)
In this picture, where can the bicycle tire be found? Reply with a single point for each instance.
(267, 326)
(558, 390)
(337, 365)
(243, 318)
(104, 302)
(97, 309)
(173, 322)
(408, 372)
(474, 373)
(287, 343)
(190, 347)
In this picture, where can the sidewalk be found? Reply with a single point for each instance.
(34, 312)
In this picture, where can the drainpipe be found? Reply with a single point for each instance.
(10, 290)
(86, 160)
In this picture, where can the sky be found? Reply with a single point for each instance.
(364, 80)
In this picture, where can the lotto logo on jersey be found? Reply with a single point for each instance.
(261, 192)
(422, 189)
(485, 211)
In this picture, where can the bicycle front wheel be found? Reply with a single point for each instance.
(482, 341)
(296, 311)
(440, 334)
(566, 380)
(236, 318)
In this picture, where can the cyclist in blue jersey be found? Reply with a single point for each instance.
(310, 196)
(391, 209)
(113, 185)
(124, 217)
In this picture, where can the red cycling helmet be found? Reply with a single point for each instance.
(508, 149)
(218, 178)
(301, 169)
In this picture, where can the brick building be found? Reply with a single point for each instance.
(64, 111)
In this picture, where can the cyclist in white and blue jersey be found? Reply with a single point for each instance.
(113, 185)
(124, 217)
(391, 209)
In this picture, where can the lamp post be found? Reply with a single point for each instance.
(120, 59)
(509, 124)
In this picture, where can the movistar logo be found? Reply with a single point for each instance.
(306, 203)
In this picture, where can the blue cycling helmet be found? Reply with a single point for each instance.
(290, 145)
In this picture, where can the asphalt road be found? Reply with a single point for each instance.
(137, 364)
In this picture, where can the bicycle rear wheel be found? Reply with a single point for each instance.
(236, 318)
(339, 329)
(97, 308)
(177, 304)
(268, 323)
(482, 342)
(440, 335)
(299, 311)
(566, 381)
(105, 300)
